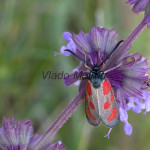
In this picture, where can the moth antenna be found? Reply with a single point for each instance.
(80, 58)
(108, 56)
(75, 55)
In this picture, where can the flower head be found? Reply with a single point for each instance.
(126, 72)
(19, 136)
(15, 135)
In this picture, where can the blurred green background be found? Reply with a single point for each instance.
(30, 33)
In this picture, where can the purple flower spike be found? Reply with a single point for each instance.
(19, 136)
(15, 135)
(127, 73)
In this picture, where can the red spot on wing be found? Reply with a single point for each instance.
(86, 98)
(106, 87)
(90, 115)
(112, 97)
(113, 115)
(106, 105)
(88, 88)
(91, 105)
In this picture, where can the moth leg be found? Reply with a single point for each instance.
(84, 77)
(85, 65)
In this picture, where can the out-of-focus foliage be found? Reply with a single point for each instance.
(30, 33)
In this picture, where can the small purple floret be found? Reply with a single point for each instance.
(71, 45)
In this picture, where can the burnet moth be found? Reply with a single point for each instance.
(100, 102)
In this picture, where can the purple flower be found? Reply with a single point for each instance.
(68, 37)
(139, 5)
(15, 135)
(19, 136)
(128, 79)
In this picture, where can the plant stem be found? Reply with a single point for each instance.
(64, 116)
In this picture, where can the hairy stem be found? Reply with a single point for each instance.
(64, 116)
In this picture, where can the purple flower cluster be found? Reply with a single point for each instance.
(19, 136)
(128, 80)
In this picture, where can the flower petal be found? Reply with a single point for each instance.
(139, 5)
(137, 109)
(103, 40)
(148, 20)
(115, 77)
(146, 97)
(132, 1)
(123, 115)
(71, 45)
(67, 36)
(128, 128)
(82, 41)
(74, 77)
(132, 87)
(124, 118)
(34, 140)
